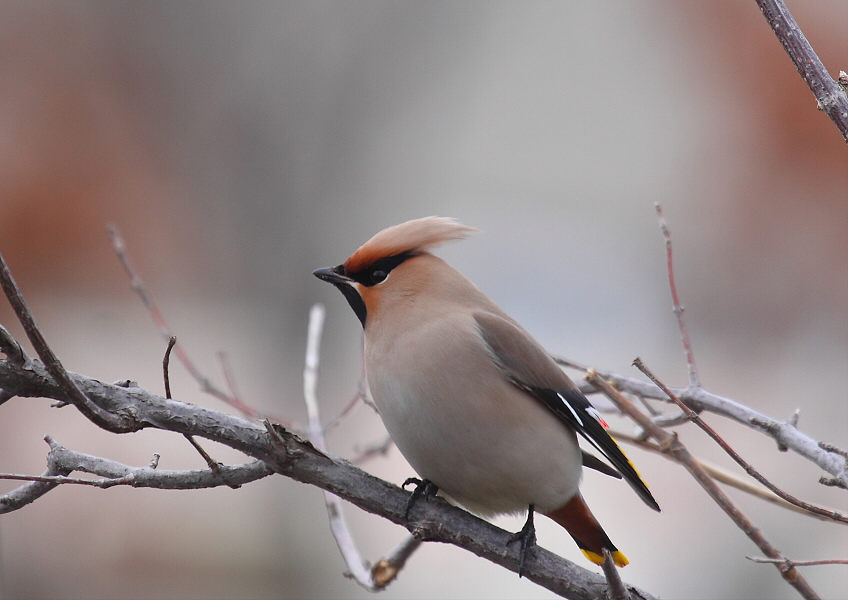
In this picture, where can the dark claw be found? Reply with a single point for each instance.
(423, 487)
(527, 536)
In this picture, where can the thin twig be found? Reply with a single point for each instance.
(840, 482)
(694, 382)
(61, 462)
(213, 464)
(166, 376)
(831, 97)
(116, 423)
(361, 395)
(671, 444)
(721, 475)
(799, 563)
(380, 448)
(387, 568)
(33, 490)
(784, 433)
(103, 483)
(358, 568)
(137, 284)
(834, 449)
(693, 416)
(226, 369)
(617, 591)
(291, 456)
(353, 403)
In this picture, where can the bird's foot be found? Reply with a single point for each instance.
(423, 487)
(527, 537)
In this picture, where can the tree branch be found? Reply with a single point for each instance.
(114, 422)
(785, 433)
(671, 444)
(694, 381)
(61, 462)
(723, 476)
(694, 417)
(831, 97)
(286, 453)
(358, 568)
(206, 384)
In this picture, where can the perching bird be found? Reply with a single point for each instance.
(471, 400)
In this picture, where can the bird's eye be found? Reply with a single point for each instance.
(378, 276)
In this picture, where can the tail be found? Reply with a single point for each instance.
(576, 518)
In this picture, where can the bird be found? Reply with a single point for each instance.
(482, 413)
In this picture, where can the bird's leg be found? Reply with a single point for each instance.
(527, 536)
(423, 487)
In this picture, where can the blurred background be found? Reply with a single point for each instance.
(239, 146)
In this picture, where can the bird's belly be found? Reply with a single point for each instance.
(491, 447)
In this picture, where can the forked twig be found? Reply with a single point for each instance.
(214, 465)
(722, 476)
(61, 462)
(693, 416)
(137, 284)
(785, 433)
(116, 423)
(387, 568)
(358, 568)
(671, 444)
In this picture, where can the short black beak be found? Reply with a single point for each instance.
(345, 285)
(332, 275)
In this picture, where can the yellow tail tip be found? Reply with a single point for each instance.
(617, 557)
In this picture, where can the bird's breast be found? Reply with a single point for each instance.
(461, 424)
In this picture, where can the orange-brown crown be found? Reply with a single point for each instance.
(418, 235)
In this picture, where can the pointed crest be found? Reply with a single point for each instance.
(418, 235)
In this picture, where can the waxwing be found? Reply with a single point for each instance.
(481, 412)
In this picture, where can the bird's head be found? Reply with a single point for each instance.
(387, 262)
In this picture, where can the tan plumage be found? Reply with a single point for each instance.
(472, 401)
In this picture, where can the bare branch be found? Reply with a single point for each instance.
(287, 454)
(205, 383)
(799, 563)
(831, 96)
(671, 444)
(694, 382)
(360, 395)
(386, 569)
(61, 462)
(359, 570)
(734, 455)
(166, 361)
(834, 449)
(214, 465)
(227, 371)
(783, 432)
(114, 422)
(33, 490)
(723, 476)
